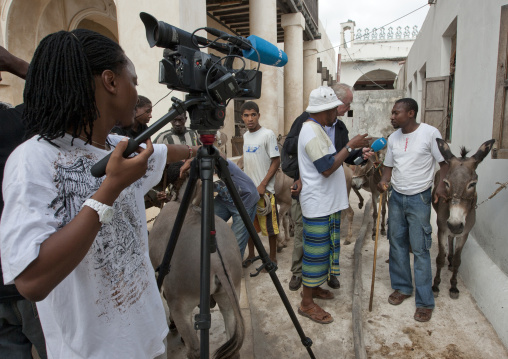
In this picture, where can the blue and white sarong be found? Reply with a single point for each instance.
(321, 249)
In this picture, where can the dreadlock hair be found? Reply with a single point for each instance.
(60, 89)
(143, 101)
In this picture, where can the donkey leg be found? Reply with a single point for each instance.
(450, 253)
(454, 292)
(181, 311)
(374, 216)
(227, 312)
(349, 213)
(283, 215)
(360, 204)
(440, 261)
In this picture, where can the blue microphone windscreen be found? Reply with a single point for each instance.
(378, 144)
(269, 54)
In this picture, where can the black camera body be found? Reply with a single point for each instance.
(185, 68)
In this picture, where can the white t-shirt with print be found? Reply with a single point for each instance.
(320, 196)
(412, 157)
(258, 150)
(109, 305)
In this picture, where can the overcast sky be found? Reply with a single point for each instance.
(369, 13)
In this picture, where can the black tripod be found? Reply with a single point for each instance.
(207, 160)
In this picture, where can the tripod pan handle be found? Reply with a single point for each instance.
(99, 169)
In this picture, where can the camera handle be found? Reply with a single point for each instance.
(179, 107)
(207, 159)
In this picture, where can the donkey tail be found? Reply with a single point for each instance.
(232, 347)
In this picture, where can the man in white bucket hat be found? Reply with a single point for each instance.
(322, 198)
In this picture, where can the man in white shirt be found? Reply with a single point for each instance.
(261, 162)
(322, 198)
(409, 163)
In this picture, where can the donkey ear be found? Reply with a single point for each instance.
(483, 151)
(445, 150)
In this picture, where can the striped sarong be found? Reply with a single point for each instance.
(321, 249)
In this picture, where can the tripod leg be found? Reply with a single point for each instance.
(182, 211)
(208, 245)
(223, 171)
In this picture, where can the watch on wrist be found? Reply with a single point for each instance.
(349, 149)
(104, 211)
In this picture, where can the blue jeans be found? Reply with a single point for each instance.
(226, 211)
(19, 329)
(409, 225)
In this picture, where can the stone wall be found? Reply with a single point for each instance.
(371, 112)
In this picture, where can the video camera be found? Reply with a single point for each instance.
(185, 68)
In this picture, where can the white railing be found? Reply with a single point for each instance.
(382, 34)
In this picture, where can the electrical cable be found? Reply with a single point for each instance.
(391, 22)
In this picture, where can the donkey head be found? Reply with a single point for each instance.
(362, 174)
(460, 182)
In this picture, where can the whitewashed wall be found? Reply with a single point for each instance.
(485, 257)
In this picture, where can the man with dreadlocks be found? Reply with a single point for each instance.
(75, 244)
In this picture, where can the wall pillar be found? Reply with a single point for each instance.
(311, 79)
(263, 23)
(293, 25)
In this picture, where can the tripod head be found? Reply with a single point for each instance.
(198, 106)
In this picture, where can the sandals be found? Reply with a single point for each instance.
(397, 297)
(423, 314)
(320, 293)
(316, 314)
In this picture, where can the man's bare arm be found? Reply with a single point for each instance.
(274, 166)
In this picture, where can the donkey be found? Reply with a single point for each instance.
(349, 213)
(456, 215)
(367, 177)
(282, 194)
(221, 141)
(182, 287)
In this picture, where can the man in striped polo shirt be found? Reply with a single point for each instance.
(179, 134)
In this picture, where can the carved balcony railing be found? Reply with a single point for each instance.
(382, 34)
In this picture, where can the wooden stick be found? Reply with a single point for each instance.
(375, 254)
(375, 246)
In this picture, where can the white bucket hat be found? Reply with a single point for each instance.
(321, 99)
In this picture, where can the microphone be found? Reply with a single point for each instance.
(269, 54)
(376, 146)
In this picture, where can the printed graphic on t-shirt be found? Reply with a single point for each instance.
(252, 148)
(73, 183)
(116, 257)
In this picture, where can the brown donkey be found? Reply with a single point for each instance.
(456, 214)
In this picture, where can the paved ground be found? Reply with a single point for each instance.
(457, 329)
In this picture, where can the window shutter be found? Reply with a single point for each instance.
(500, 123)
(435, 103)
